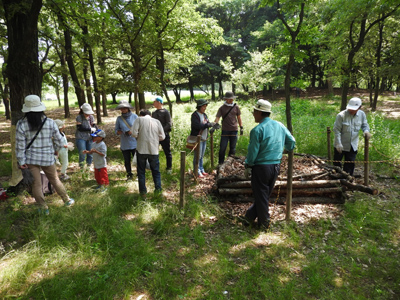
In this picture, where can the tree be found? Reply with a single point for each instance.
(23, 72)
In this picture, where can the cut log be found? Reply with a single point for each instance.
(359, 187)
(295, 192)
(282, 184)
(312, 200)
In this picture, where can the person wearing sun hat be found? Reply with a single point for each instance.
(267, 142)
(230, 113)
(37, 153)
(346, 128)
(123, 126)
(199, 126)
(163, 115)
(85, 125)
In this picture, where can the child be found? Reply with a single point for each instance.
(99, 151)
(63, 152)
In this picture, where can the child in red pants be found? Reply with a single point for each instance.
(99, 151)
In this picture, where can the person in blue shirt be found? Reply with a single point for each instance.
(123, 127)
(267, 142)
(347, 126)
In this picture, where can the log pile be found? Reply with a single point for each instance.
(314, 181)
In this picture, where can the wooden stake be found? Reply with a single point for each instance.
(182, 180)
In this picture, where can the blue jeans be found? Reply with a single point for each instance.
(202, 151)
(155, 171)
(84, 145)
(227, 136)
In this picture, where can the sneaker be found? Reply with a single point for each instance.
(44, 211)
(169, 171)
(98, 187)
(264, 226)
(70, 202)
(205, 174)
(129, 177)
(245, 222)
(64, 177)
(201, 176)
(103, 189)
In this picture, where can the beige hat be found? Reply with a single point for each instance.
(263, 105)
(123, 104)
(59, 123)
(87, 109)
(33, 103)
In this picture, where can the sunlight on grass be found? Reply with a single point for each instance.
(148, 213)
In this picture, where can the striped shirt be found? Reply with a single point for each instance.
(41, 152)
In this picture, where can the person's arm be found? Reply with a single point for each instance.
(135, 128)
(20, 146)
(161, 134)
(216, 119)
(337, 130)
(252, 149)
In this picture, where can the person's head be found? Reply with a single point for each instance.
(354, 105)
(262, 110)
(144, 112)
(98, 135)
(229, 97)
(60, 124)
(124, 106)
(34, 110)
(158, 102)
(201, 105)
(86, 110)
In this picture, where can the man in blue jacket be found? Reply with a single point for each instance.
(267, 142)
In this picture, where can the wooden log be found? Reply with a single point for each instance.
(282, 192)
(282, 184)
(313, 200)
(359, 187)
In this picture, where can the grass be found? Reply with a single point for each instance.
(116, 245)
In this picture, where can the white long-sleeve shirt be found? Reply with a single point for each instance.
(347, 127)
(148, 133)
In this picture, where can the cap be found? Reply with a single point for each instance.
(354, 103)
(87, 109)
(99, 133)
(201, 102)
(159, 99)
(59, 123)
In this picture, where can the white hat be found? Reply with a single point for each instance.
(87, 109)
(123, 104)
(59, 123)
(263, 105)
(33, 103)
(354, 103)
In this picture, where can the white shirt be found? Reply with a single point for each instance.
(148, 133)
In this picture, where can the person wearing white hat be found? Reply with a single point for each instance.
(346, 128)
(38, 139)
(123, 126)
(63, 153)
(267, 142)
(85, 125)
(163, 115)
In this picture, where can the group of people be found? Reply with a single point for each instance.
(38, 138)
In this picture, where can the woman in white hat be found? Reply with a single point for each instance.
(85, 125)
(37, 140)
(123, 126)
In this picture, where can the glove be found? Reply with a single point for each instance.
(367, 135)
(241, 130)
(70, 146)
(216, 126)
(93, 129)
(339, 148)
(212, 130)
(247, 172)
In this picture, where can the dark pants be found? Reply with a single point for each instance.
(227, 136)
(166, 146)
(348, 156)
(263, 179)
(128, 155)
(155, 171)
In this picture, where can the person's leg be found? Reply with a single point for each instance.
(89, 157)
(202, 151)
(63, 157)
(166, 146)
(232, 142)
(222, 146)
(155, 171)
(349, 156)
(337, 158)
(51, 173)
(81, 145)
(127, 162)
(103, 176)
(37, 192)
(141, 171)
(263, 180)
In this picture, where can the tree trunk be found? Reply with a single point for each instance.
(378, 65)
(22, 70)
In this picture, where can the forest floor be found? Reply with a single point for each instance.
(301, 213)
